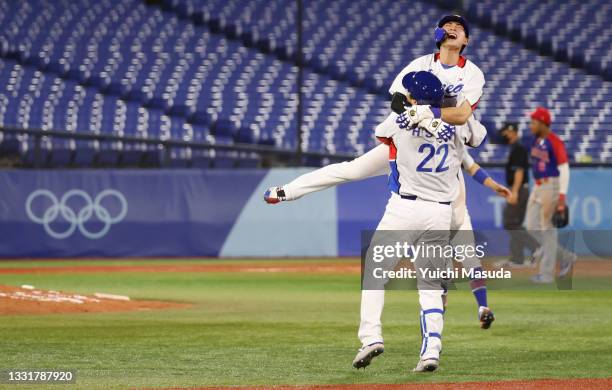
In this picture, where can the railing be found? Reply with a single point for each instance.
(287, 155)
(284, 156)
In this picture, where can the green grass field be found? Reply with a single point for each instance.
(291, 328)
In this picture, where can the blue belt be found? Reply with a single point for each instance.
(414, 197)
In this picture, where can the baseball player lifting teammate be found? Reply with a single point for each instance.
(462, 90)
(546, 208)
(424, 159)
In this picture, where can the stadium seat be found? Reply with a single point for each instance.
(223, 72)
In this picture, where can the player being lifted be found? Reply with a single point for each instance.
(461, 78)
(457, 74)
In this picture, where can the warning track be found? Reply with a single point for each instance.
(537, 384)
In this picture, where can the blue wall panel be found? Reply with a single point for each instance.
(303, 228)
(167, 213)
(116, 213)
(360, 207)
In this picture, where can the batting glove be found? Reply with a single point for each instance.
(274, 195)
(442, 131)
(416, 114)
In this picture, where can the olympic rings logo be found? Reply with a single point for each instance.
(76, 219)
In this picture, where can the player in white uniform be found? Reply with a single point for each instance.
(423, 184)
(457, 73)
(460, 77)
(376, 163)
(434, 177)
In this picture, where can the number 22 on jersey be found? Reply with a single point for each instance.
(429, 151)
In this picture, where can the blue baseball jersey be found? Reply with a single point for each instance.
(546, 156)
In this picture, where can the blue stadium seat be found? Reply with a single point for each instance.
(223, 72)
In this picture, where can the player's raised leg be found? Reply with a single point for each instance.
(373, 163)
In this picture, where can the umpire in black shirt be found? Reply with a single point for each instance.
(517, 177)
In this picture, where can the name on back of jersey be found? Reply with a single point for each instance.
(422, 133)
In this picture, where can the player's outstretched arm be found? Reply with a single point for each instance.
(481, 176)
(373, 163)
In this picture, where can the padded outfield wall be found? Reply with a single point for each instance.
(189, 213)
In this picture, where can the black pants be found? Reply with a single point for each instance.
(514, 215)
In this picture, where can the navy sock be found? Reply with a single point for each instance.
(479, 289)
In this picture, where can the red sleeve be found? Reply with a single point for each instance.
(392, 149)
(558, 148)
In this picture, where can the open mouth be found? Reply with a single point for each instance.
(451, 36)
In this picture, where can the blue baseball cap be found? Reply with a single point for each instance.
(424, 87)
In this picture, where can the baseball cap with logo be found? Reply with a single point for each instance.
(541, 114)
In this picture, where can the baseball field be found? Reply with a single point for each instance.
(292, 322)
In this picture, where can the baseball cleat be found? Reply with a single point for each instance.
(427, 365)
(366, 354)
(565, 268)
(486, 317)
(274, 195)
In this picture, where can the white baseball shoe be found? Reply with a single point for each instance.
(366, 354)
(427, 365)
(566, 267)
(274, 195)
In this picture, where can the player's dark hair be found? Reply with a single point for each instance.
(512, 126)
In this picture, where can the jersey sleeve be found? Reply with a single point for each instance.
(474, 87)
(397, 86)
(474, 132)
(387, 128)
(467, 161)
(558, 149)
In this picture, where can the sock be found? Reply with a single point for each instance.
(479, 289)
